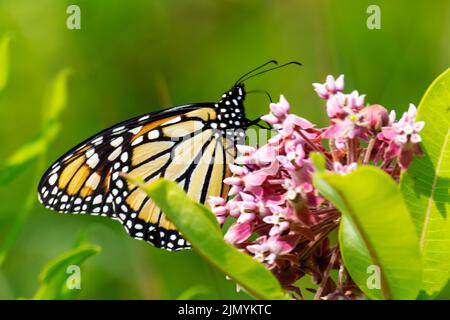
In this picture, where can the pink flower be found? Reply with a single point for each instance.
(218, 207)
(261, 251)
(352, 126)
(245, 149)
(402, 137)
(335, 105)
(270, 119)
(340, 105)
(272, 195)
(265, 155)
(330, 87)
(407, 129)
(354, 101)
(238, 232)
(278, 111)
(281, 108)
(278, 220)
(376, 117)
(344, 169)
(267, 249)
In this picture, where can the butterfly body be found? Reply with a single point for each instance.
(190, 144)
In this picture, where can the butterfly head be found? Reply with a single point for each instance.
(237, 92)
(230, 109)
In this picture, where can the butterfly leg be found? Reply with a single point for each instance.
(256, 123)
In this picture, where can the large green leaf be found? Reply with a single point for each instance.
(199, 226)
(376, 232)
(426, 185)
(4, 60)
(57, 273)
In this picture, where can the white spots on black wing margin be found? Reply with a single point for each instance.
(116, 142)
(159, 237)
(90, 152)
(97, 141)
(52, 179)
(144, 118)
(135, 130)
(137, 141)
(153, 134)
(172, 121)
(115, 154)
(93, 161)
(124, 157)
(118, 129)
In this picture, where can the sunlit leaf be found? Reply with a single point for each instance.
(25, 155)
(376, 236)
(56, 101)
(318, 161)
(4, 60)
(444, 294)
(426, 186)
(199, 226)
(55, 279)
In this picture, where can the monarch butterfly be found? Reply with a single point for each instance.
(88, 179)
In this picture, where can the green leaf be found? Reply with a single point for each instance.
(444, 294)
(318, 161)
(56, 101)
(25, 155)
(376, 232)
(193, 292)
(4, 60)
(426, 186)
(53, 106)
(56, 275)
(199, 226)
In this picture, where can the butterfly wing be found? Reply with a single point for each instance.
(181, 144)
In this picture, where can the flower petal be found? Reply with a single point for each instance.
(238, 232)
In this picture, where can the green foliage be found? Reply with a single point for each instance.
(54, 104)
(194, 292)
(199, 226)
(376, 230)
(4, 60)
(426, 185)
(31, 152)
(56, 274)
(318, 161)
(56, 100)
(27, 154)
(120, 83)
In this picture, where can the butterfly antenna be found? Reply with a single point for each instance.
(262, 91)
(271, 69)
(256, 69)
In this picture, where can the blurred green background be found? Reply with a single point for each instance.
(133, 57)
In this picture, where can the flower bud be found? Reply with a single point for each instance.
(281, 108)
(216, 201)
(238, 232)
(376, 117)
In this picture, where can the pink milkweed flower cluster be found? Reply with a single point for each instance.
(278, 216)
